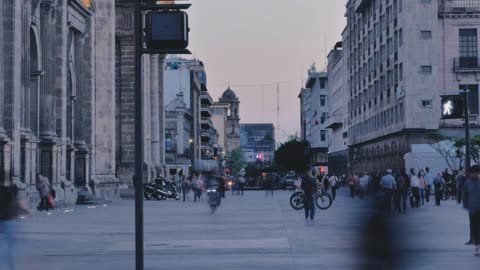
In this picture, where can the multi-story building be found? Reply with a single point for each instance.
(56, 97)
(314, 114)
(220, 113)
(337, 116)
(233, 120)
(258, 143)
(401, 56)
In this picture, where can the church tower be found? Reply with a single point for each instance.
(233, 119)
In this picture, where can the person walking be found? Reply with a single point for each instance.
(352, 183)
(439, 186)
(471, 202)
(43, 186)
(362, 185)
(241, 183)
(422, 186)
(401, 192)
(10, 208)
(333, 180)
(387, 184)
(185, 187)
(415, 188)
(196, 187)
(429, 177)
(460, 179)
(310, 189)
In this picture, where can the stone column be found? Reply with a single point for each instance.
(79, 136)
(2, 105)
(155, 109)
(47, 101)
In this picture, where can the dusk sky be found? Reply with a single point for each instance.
(250, 43)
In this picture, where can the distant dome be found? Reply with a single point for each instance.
(229, 94)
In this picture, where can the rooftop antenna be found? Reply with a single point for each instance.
(278, 108)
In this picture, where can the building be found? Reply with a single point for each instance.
(337, 116)
(153, 112)
(314, 114)
(220, 113)
(56, 97)
(233, 119)
(258, 143)
(401, 57)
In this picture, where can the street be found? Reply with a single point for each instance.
(247, 232)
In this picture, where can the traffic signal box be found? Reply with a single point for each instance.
(452, 107)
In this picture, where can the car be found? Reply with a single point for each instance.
(288, 181)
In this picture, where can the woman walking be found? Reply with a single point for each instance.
(422, 180)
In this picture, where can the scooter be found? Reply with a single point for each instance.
(213, 199)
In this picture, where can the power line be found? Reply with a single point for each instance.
(253, 84)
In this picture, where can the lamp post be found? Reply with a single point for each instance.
(468, 161)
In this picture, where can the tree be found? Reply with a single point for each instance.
(293, 156)
(237, 160)
(445, 146)
(474, 148)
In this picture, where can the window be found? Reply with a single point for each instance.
(322, 118)
(426, 103)
(426, 69)
(400, 37)
(323, 100)
(345, 135)
(426, 34)
(322, 83)
(468, 48)
(323, 135)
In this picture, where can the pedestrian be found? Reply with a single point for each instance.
(241, 183)
(422, 186)
(401, 192)
(429, 177)
(387, 183)
(43, 186)
(415, 189)
(185, 187)
(460, 180)
(439, 187)
(310, 188)
(471, 201)
(352, 183)
(10, 209)
(362, 185)
(196, 187)
(333, 180)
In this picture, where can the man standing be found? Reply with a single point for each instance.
(472, 203)
(310, 188)
(333, 180)
(460, 180)
(429, 177)
(387, 184)
(415, 186)
(439, 185)
(401, 192)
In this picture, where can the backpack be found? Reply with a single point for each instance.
(401, 184)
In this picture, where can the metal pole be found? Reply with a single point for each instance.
(138, 179)
(467, 130)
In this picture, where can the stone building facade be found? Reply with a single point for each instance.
(153, 112)
(57, 96)
(232, 137)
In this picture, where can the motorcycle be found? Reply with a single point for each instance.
(161, 190)
(213, 199)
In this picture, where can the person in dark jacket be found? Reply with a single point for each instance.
(471, 201)
(310, 188)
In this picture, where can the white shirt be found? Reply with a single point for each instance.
(414, 181)
(333, 181)
(429, 178)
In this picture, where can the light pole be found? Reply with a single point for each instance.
(468, 162)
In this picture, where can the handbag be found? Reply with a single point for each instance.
(51, 201)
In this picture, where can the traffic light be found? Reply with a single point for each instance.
(452, 107)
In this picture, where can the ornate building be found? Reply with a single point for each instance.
(56, 96)
(232, 140)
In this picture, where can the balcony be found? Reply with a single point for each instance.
(207, 135)
(206, 99)
(460, 6)
(206, 111)
(206, 122)
(334, 121)
(466, 64)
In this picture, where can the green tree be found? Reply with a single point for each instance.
(237, 160)
(293, 156)
(474, 148)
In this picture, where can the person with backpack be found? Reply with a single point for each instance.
(10, 209)
(401, 193)
(439, 186)
(43, 186)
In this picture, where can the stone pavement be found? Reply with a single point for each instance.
(248, 232)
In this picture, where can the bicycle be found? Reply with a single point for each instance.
(323, 201)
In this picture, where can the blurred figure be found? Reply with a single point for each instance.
(352, 183)
(460, 180)
(362, 185)
(185, 187)
(415, 188)
(241, 183)
(388, 186)
(43, 186)
(439, 186)
(472, 203)
(334, 182)
(422, 186)
(429, 177)
(196, 187)
(10, 208)
(401, 192)
(310, 188)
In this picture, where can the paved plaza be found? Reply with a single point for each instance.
(248, 232)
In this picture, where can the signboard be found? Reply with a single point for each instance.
(167, 30)
(452, 107)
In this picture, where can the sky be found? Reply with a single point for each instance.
(253, 44)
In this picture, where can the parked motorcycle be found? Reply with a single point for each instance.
(161, 190)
